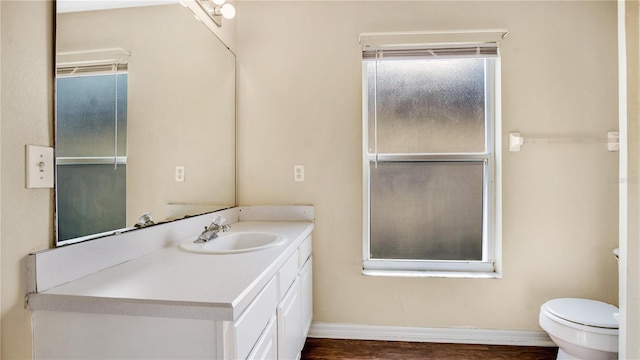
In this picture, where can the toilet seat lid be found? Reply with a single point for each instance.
(583, 311)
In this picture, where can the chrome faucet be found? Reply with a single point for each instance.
(144, 220)
(211, 232)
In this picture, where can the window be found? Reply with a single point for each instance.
(430, 165)
(91, 149)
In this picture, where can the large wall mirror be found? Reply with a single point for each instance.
(145, 118)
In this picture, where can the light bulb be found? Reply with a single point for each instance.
(228, 11)
(218, 2)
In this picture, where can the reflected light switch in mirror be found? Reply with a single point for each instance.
(39, 167)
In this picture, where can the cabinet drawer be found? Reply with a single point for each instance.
(249, 326)
(267, 346)
(304, 251)
(287, 275)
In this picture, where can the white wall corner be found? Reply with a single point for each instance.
(425, 334)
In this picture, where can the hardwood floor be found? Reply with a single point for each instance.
(316, 349)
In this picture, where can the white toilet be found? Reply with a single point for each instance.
(582, 329)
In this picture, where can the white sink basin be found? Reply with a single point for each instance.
(234, 242)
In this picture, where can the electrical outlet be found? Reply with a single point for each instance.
(298, 173)
(180, 173)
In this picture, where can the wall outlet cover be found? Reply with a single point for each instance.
(180, 173)
(298, 173)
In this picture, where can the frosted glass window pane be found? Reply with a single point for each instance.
(85, 116)
(91, 199)
(426, 210)
(427, 106)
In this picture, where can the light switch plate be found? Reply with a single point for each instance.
(39, 166)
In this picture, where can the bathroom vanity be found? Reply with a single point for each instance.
(141, 295)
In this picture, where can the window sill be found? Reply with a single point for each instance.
(433, 274)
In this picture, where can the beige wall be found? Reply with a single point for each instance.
(26, 114)
(299, 73)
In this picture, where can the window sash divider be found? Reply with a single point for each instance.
(91, 160)
(428, 157)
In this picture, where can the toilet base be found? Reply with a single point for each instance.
(564, 356)
(591, 355)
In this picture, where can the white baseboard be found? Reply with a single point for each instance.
(424, 334)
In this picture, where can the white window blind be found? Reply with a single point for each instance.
(76, 69)
(478, 51)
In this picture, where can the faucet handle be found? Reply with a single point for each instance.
(218, 220)
(144, 220)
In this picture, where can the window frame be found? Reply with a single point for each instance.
(490, 265)
(84, 70)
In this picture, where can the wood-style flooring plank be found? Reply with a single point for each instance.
(316, 349)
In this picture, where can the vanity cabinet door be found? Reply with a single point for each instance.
(306, 300)
(289, 321)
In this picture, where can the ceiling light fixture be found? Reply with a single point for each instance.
(218, 9)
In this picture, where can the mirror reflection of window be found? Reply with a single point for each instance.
(189, 123)
(91, 150)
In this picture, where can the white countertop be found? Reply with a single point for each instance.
(172, 282)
